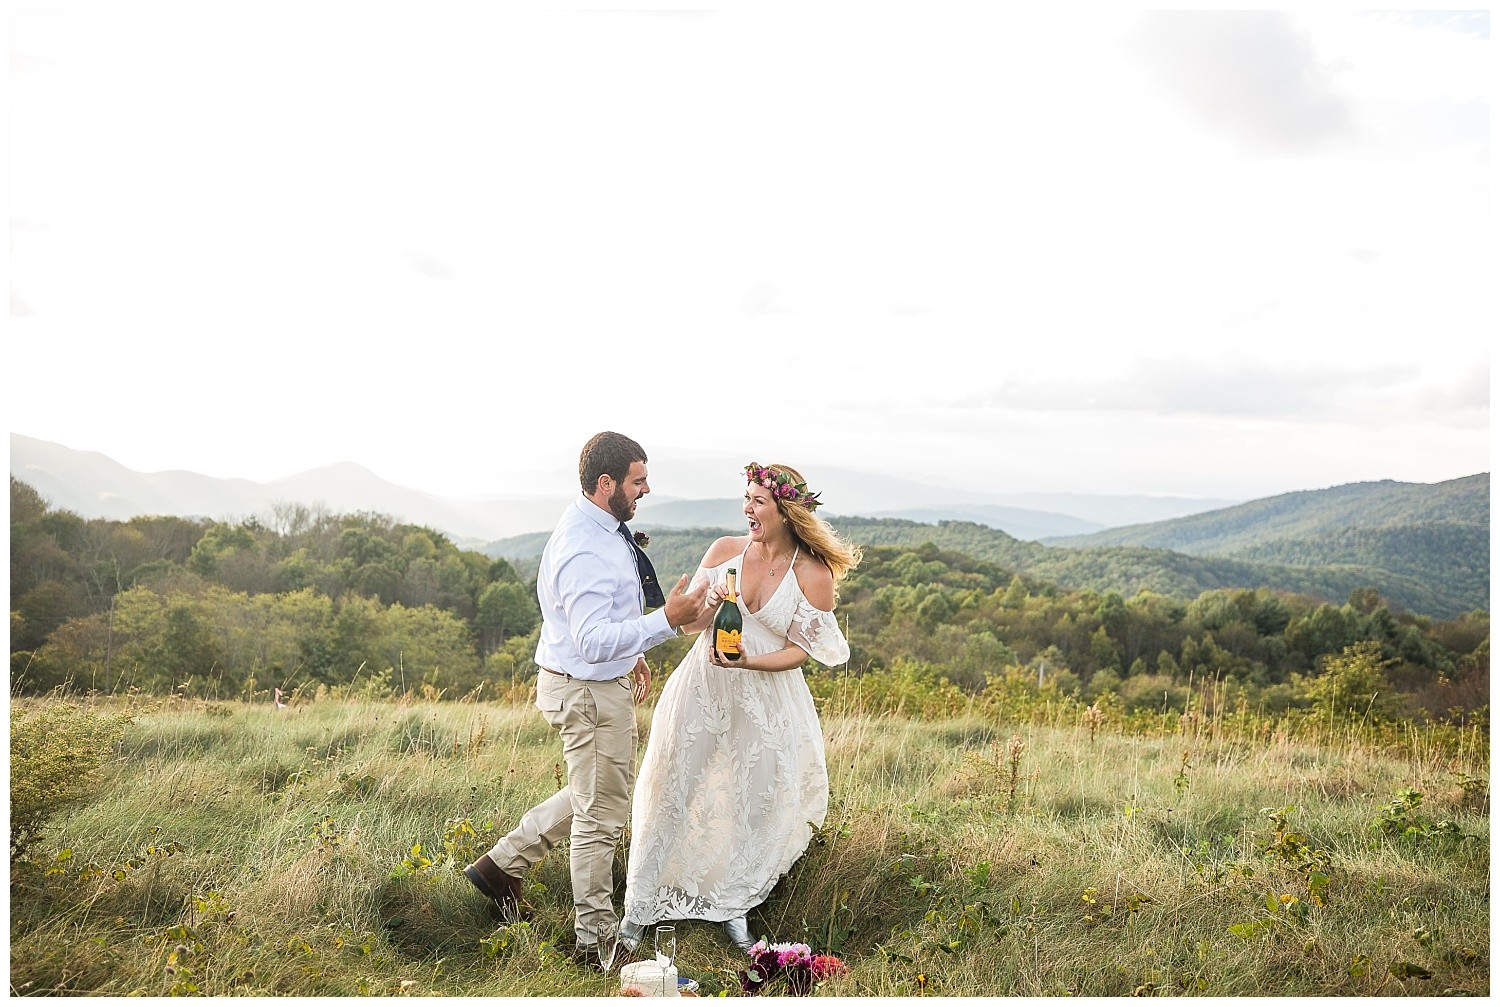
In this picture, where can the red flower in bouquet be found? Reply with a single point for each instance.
(795, 963)
(828, 967)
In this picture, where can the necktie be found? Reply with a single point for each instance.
(647, 572)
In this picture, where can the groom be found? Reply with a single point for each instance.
(592, 585)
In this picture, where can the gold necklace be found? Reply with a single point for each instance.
(768, 558)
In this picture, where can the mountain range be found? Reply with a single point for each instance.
(1423, 547)
(93, 485)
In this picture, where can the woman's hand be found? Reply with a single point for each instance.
(720, 661)
(713, 598)
(788, 657)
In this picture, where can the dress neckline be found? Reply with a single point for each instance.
(772, 596)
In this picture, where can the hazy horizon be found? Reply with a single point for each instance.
(698, 479)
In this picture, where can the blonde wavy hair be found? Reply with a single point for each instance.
(813, 533)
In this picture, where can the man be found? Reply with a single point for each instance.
(592, 585)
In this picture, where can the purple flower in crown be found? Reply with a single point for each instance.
(781, 485)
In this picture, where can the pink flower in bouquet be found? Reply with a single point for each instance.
(795, 964)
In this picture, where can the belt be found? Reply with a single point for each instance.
(573, 678)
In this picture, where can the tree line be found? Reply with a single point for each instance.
(301, 599)
(306, 599)
(964, 618)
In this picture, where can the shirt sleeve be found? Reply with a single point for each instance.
(587, 600)
(818, 633)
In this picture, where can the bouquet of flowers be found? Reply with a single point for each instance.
(795, 963)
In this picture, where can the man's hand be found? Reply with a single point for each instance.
(682, 606)
(640, 680)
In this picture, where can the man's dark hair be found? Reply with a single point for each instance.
(607, 454)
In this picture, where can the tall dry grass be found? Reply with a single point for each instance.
(315, 851)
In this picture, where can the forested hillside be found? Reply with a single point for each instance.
(1425, 547)
(358, 603)
(1308, 514)
(1446, 581)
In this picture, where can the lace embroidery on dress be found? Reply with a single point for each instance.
(817, 632)
(734, 778)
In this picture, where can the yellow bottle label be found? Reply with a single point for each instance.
(727, 642)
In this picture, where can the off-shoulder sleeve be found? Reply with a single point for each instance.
(700, 576)
(818, 633)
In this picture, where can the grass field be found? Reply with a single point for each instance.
(316, 850)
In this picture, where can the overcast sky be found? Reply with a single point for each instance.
(1214, 254)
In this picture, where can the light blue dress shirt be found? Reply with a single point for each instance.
(591, 599)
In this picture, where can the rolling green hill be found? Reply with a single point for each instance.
(1307, 515)
(1129, 570)
(1425, 546)
(1429, 583)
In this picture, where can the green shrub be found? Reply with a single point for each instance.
(54, 761)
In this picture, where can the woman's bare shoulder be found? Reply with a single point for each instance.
(724, 549)
(815, 580)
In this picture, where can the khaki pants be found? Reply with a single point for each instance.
(597, 723)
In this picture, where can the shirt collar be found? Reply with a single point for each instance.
(603, 518)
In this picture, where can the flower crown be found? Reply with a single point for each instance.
(781, 485)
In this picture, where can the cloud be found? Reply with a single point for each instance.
(1469, 394)
(1239, 388)
(1251, 74)
(761, 299)
(431, 267)
(1475, 23)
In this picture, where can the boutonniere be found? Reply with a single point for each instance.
(642, 539)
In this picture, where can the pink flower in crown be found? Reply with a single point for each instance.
(781, 485)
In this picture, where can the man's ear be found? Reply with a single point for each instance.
(605, 484)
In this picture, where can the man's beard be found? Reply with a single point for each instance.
(619, 506)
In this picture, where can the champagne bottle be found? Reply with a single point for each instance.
(728, 624)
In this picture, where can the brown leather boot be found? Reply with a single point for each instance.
(504, 889)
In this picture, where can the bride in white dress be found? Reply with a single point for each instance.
(734, 778)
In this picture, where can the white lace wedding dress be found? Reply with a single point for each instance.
(734, 778)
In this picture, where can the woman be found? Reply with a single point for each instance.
(734, 780)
